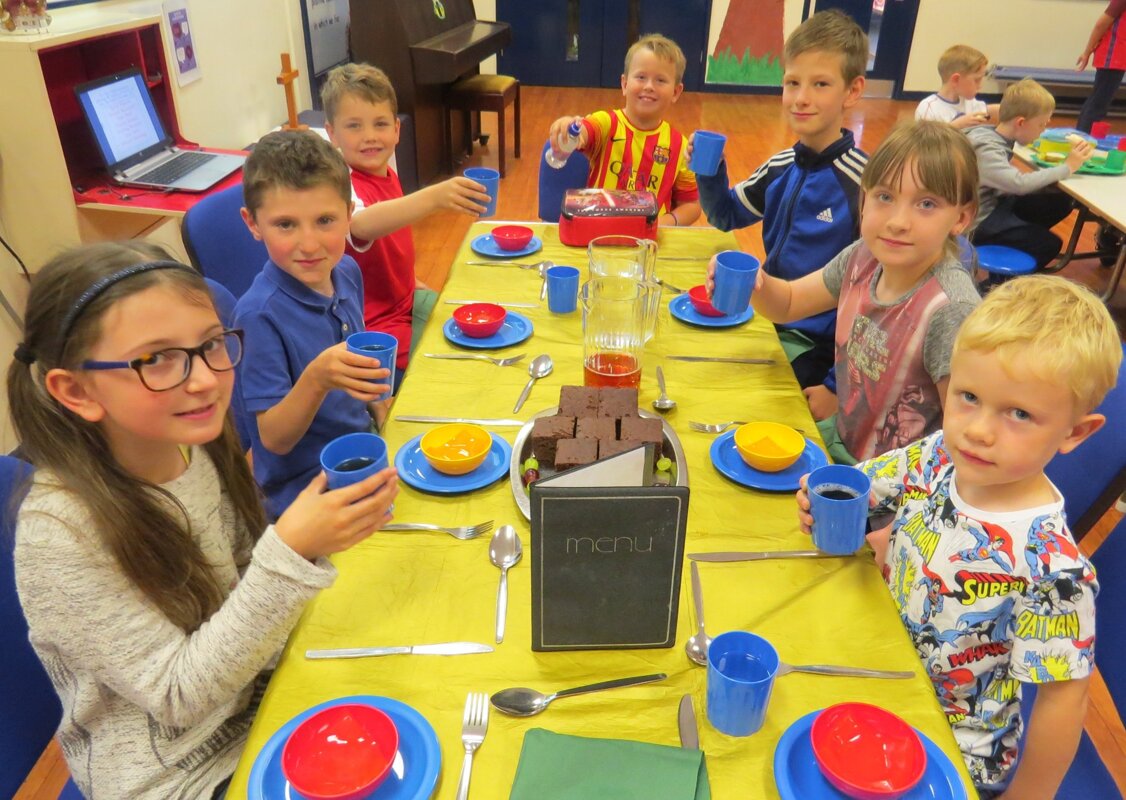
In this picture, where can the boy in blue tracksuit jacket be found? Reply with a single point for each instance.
(807, 196)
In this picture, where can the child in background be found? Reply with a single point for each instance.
(962, 69)
(807, 197)
(361, 118)
(155, 594)
(634, 147)
(1018, 208)
(974, 511)
(900, 292)
(298, 377)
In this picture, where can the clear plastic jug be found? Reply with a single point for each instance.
(614, 315)
(618, 256)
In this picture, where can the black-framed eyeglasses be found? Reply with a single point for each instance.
(168, 368)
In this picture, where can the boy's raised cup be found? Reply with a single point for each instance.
(838, 498)
(741, 670)
(381, 346)
(735, 274)
(490, 179)
(707, 152)
(353, 457)
(562, 289)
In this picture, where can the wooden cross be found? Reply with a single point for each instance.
(286, 79)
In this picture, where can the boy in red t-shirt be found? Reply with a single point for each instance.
(361, 118)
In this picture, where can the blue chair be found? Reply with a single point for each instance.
(225, 307)
(218, 242)
(1093, 475)
(554, 182)
(29, 708)
(1003, 263)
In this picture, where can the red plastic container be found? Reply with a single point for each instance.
(698, 296)
(589, 213)
(341, 753)
(866, 752)
(512, 237)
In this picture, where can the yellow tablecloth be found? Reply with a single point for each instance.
(411, 588)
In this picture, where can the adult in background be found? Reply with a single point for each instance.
(1107, 48)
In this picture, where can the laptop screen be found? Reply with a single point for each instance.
(123, 119)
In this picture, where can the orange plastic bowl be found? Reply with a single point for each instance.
(698, 296)
(512, 237)
(341, 753)
(456, 448)
(479, 320)
(866, 752)
(769, 446)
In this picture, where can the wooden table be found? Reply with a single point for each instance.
(412, 588)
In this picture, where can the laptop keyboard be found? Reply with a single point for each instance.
(175, 169)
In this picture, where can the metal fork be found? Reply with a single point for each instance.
(500, 362)
(473, 727)
(462, 532)
(714, 427)
(669, 286)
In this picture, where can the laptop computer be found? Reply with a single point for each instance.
(133, 143)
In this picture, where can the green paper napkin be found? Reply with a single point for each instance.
(555, 766)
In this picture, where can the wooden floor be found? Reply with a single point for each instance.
(755, 129)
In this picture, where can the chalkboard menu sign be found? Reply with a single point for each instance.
(606, 566)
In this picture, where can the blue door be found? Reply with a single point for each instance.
(891, 26)
(584, 42)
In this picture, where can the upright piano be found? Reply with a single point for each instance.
(423, 46)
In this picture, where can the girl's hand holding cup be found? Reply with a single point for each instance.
(321, 521)
(805, 516)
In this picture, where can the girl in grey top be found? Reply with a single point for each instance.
(155, 594)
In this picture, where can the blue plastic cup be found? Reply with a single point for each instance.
(383, 347)
(707, 152)
(353, 457)
(838, 497)
(490, 179)
(741, 670)
(735, 274)
(562, 289)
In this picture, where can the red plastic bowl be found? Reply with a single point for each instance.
(512, 237)
(340, 753)
(479, 320)
(866, 752)
(698, 295)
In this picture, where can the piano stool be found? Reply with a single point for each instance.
(479, 93)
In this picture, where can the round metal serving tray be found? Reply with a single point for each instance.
(522, 448)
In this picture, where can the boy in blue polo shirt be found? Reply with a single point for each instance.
(297, 376)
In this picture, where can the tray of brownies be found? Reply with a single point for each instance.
(591, 423)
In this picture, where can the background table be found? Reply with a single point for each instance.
(411, 588)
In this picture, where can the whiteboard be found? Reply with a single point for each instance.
(328, 32)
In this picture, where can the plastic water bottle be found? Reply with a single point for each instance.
(569, 144)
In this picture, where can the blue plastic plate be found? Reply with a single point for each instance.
(798, 777)
(485, 245)
(731, 465)
(413, 774)
(516, 328)
(682, 309)
(416, 471)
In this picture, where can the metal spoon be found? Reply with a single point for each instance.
(664, 402)
(523, 702)
(698, 643)
(505, 550)
(540, 367)
(538, 265)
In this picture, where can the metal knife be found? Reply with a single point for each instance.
(685, 258)
(494, 302)
(499, 264)
(442, 649)
(767, 361)
(761, 556)
(686, 721)
(500, 423)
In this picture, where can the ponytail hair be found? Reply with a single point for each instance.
(144, 527)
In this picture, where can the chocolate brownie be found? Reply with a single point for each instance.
(596, 428)
(546, 433)
(611, 447)
(616, 402)
(578, 401)
(643, 429)
(575, 453)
